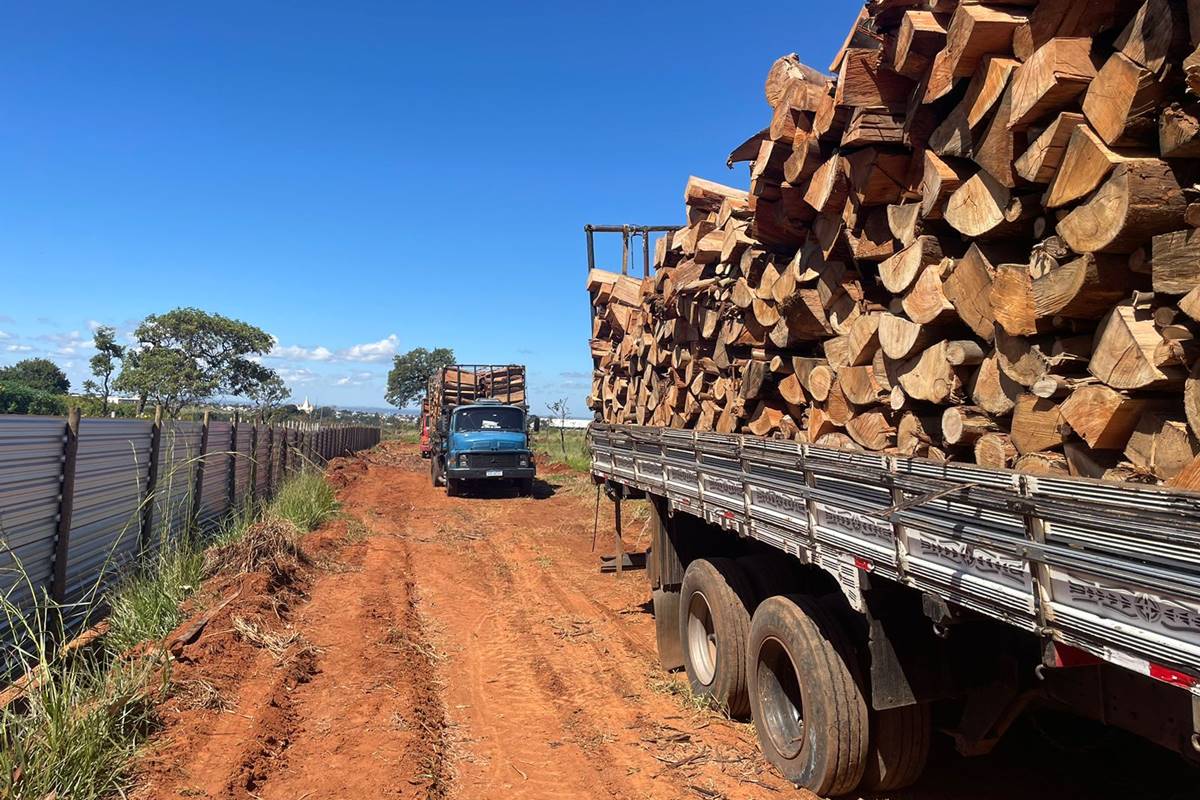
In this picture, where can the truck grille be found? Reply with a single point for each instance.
(493, 460)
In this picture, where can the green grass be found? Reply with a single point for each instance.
(77, 732)
(305, 500)
(408, 434)
(564, 447)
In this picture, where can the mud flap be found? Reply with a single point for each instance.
(666, 628)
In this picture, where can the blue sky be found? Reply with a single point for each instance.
(360, 178)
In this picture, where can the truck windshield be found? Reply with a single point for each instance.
(502, 418)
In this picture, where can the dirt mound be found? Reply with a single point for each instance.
(271, 545)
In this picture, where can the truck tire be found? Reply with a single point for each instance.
(714, 623)
(453, 487)
(899, 748)
(666, 629)
(808, 705)
(525, 487)
(435, 471)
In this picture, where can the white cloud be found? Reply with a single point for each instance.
(371, 352)
(94, 326)
(4, 335)
(297, 353)
(19, 348)
(356, 379)
(68, 344)
(297, 376)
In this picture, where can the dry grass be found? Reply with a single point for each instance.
(200, 694)
(277, 643)
(271, 545)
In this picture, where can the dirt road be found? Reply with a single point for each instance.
(470, 648)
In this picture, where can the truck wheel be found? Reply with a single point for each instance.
(899, 748)
(714, 622)
(435, 472)
(809, 711)
(525, 487)
(453, 487)
(666, 629)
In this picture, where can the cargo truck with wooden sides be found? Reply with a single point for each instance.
(477, 422)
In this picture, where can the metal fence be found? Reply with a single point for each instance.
(79, 499)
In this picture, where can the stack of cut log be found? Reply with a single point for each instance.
(975, 241)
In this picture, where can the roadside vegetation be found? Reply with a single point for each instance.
(564, 446)
(72, 723)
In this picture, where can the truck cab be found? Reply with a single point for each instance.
(484, 441)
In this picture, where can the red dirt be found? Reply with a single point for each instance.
(470, 648)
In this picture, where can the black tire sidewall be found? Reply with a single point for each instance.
(730, 599)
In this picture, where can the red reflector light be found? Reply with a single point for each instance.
(864, 564)
(1172, 677)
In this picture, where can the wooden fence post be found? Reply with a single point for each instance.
(270, 461)
(231, 489)
(198, 486)
(151, 481)
(66, 504)
(253, 488)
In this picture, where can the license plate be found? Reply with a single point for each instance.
(495, 473)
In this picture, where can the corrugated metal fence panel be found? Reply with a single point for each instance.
(214, 496)
(242, 466)
(110, 484)
(31, 451)
(178, 451)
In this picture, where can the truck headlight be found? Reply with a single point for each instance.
(524, 461)
(462, 460)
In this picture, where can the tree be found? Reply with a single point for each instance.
(411, 371)
(187, 356)
(103, 364)
(560, 411)
(40, 374)
(268, 394)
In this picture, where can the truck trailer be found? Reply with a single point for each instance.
(477, 423)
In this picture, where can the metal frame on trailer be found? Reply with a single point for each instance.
(1109, 569)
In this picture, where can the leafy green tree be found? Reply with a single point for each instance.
(17, 398)
(40, 374)
(411, 371)
(187, 356)
(268, 394)
(104, 363)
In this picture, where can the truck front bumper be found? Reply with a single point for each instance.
(490, 474)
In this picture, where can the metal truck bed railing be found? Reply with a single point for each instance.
(1112, 569)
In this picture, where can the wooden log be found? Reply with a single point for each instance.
(1175, 261)
(863, 82)
(916, 434)
(953, 136)
(1122, 102)
(1126, 353)
(815, 376)
(938, 182)
(900, 271)
(918, 41)
(1085, 163)
(1040, 161)
(930, 377)
(707, 195)
(877, 177)
(983, 207)
(904, 221)
(926, 303)
(975, 31)
(965, 424)
(862, 340)
(1140, 199)
(992, 390)
(1084, 288)
(968, 287)
(873, 428)
(1153, 37)
(1179, 132)
(1161, 445)
(861, 385)
(828, 187)
(1102, 416)
(996, 150)
(995, 450)
(1058, 72)
(899, 338)
(1037, 425)
(785, 71)
(1049, 464)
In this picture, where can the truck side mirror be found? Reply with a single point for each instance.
(441, 426)
(537, 424)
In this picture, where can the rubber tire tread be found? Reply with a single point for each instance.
(833, 685)
(453, 487)
(899, 748)
(769, 574)
(730, 600)
(525, 487)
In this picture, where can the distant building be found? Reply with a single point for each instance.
(554, 422)
(306, 407)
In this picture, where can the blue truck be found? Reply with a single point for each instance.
(479, 426)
